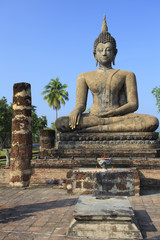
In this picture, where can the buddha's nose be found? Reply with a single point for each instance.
(104, 51)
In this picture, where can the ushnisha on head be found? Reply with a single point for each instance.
(105, 37)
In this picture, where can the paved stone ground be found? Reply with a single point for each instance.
(45, 213)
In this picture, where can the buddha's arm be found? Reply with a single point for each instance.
(132, 98)
(81, 100)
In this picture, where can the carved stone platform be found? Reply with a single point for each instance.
(107, 136)
(111, 144)
(77, 149)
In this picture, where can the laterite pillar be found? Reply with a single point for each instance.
(21, 148)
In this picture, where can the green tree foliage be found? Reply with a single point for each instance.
(38, 123)
(53, 126)
(156, 93)
(87, 110)
(5, 122)
(55, 94)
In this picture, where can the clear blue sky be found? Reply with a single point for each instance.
(43, 39)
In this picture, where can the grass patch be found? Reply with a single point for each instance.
(35, 151)
(3, 153)
(3, 162)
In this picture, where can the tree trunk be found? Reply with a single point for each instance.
(56, 128)
(56, 114)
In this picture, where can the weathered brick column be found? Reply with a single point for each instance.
(21, 149)
(47, 142)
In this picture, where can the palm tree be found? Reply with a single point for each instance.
(55, 94)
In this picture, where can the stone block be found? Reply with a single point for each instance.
(78, 185)
(101, 181)
(80, 176)
(69, 174)
(103, 218)
(88, 185)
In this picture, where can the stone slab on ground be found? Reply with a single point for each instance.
(103, 208)
(104, 218)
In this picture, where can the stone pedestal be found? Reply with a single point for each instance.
(21, 148)
(79, 149)
(104, 218)
(112, 182)
(117, 144)
(47, 142)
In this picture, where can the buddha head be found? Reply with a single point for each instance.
(103, 39)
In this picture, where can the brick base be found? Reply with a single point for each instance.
(119, 182)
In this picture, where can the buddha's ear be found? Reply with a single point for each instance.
(113, 61)
(94, 54)
(96, 60)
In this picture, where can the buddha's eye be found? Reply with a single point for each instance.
(100, 50)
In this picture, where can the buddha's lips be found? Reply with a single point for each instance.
(105, 58)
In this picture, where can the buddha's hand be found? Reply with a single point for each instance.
(110, 113)
(74, 118)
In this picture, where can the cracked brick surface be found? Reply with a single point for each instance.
(46, 213)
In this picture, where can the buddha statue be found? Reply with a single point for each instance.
(115, 97)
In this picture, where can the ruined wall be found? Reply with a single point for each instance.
(47, 142)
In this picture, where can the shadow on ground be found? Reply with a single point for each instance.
(24, 211)
(145, 223)
(153, 238)
(150, 191)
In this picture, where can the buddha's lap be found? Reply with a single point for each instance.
(128, 122)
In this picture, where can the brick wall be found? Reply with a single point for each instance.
(40, 177)
(149, 178)
(49, 176)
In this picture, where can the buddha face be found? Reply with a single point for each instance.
(104, 53)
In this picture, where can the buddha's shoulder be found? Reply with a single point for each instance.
(88, 74)
(95, 73)
(125, 73)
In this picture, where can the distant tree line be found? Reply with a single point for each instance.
(38, 123)
(5, 122)
(156, 93)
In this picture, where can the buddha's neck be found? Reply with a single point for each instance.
(105, 68)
